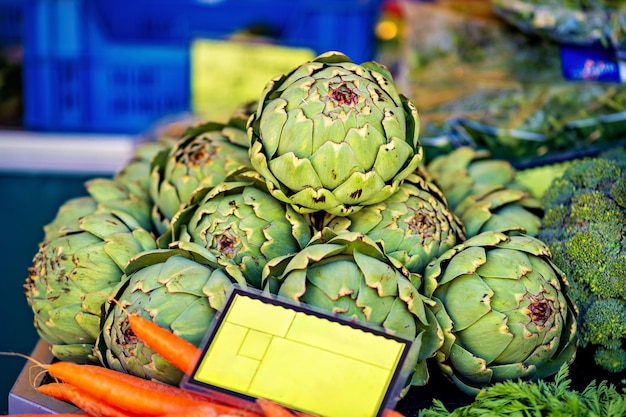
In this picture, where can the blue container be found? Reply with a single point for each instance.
(77, 80)
(11, 22)
(117, 66)
(343, 25)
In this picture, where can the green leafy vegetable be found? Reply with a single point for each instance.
(541, 398)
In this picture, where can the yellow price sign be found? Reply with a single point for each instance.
(227, 74)
(262, 346)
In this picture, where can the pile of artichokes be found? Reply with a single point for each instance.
(317, 192)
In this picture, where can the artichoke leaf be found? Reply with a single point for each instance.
(294, 285)
(296, 135)
(464, 262)
(272, 122)
(377, 274)
(505, 263)
(513, 371)
(77, 352)
(296, 173)
(400, 321)
(472, 367)
(332, 161)
(489, 336)
(336, 277)
(375, 308)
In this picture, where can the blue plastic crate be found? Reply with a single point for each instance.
(11, 22)
(343, 25)
(118, 66)
(77, 80)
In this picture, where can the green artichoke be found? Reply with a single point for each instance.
(465, 171)
(242, 225)
(79, 262)
(334, 136)
(498, 208)
(348, 274)
(180, 289)
(484, 193)
(504, 310)
(202, 157)
(413, 226)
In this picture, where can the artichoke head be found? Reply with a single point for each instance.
(465, 171)
(413, 226)
(79, 262)
(500, 207)
(504, 310)
(348, 274)
(484, 193)
(202, 157)
(180, 289)
(334, 136)
(242, 225)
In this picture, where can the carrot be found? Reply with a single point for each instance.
(123, 392)
(86, 402)
(388, 412)
(196, 411)
(174, 349)
(56, 415)
(273, 409)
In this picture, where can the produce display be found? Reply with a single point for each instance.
(318, 192)
(478, 80)
(582, 22)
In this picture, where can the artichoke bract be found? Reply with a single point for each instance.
(180, 289)
(242, 225)
(348, 274)
(334, 136)
(80, 261)
(202, 157)
(413, 226)
(504, 310)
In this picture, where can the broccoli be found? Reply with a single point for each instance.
(584, 226)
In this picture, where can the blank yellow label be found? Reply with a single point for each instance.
(227, 74)
(309, 362)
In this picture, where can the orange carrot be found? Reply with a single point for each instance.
(174, 349)
(122, 392)
(83, 400)
(56, 415)
(388, 412)
(273, 409)
(195, 411)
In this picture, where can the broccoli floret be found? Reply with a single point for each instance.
(585, 227)
(613, 360)
(604, 323)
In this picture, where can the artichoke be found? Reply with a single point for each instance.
(484, 193)
(202, 157)
(334, 136)
(498, 208)
(465, 171)
(242, 225)
(348, 274)
(180, 289)
(80, 261)
(413, 226)
(504, 309)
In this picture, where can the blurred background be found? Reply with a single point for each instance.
(82, 82)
